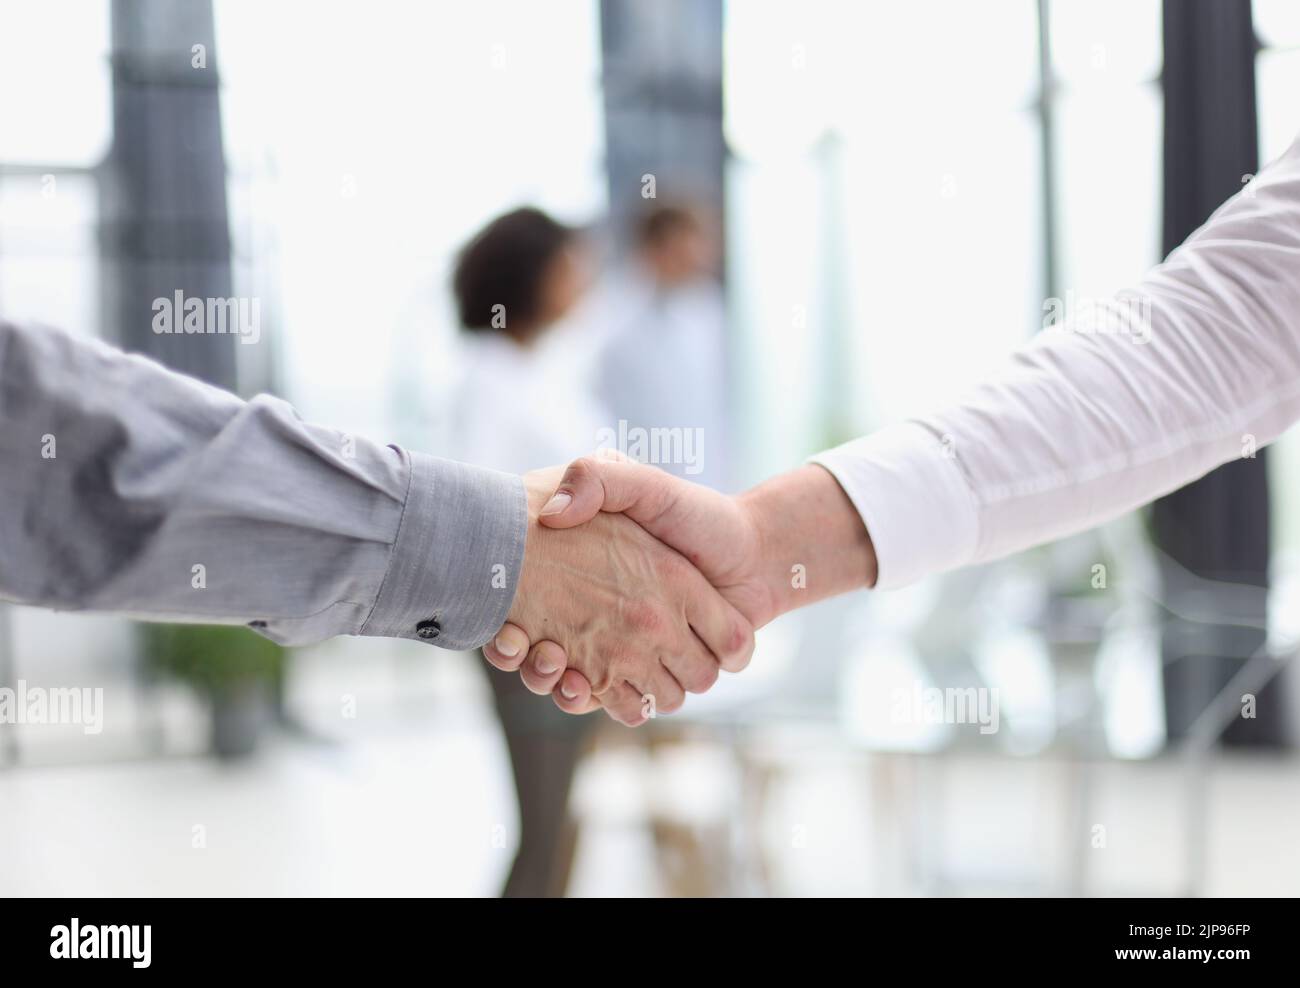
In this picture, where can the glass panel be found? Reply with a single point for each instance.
(887, 173)
(49, 269)
(777, 252)
(374, 176)
(1106, 42)
(1277, 75)
(1108, 189)
(944, 267)
(1277, 22)
(795, 70)
(56, 107)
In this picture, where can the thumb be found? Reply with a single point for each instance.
(605, 483)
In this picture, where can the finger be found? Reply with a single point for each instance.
(661, 693)
(508, 649)
(593, 484)
(695, 676)
(623, 702)
(573, 694)
(725, 632)
(546, 664)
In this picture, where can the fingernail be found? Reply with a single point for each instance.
(544, 667)
(558, 502)
(507, 648)
(567, 693)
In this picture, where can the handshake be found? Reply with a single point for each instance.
(638, 587)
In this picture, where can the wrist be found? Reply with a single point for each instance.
(538, 487)
(810, 540)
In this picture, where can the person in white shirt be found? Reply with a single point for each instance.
(515, 406)
(1196, 365)
(662, 364)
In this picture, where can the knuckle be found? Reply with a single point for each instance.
(645, 618)
(602, 681)
(671, 568)
(740, 650)
(550, 653)
(615, 654)
(582, 470)
(741, 640)
(702, 677)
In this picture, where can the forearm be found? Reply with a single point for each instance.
(811, 541)
(125, 487)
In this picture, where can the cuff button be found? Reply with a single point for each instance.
(428, 630)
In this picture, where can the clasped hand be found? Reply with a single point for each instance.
(660, 583)
(615, 611)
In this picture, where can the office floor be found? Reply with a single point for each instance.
(399, 785)
(421, 812)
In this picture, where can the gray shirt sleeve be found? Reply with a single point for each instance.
(126, 487)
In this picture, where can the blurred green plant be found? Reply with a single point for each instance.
(239, 673)
(212, 657)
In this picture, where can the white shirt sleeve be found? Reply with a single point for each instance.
(1198, 364)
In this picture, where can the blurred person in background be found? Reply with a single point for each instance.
(662, 362)
(515, 283)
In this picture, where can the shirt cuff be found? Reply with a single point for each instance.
(909, 488)
(455, 562)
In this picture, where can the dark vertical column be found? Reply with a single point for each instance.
(164, 221)
(1214, 533)
(662, 72)
(164, 224)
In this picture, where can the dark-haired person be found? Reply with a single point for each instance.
(516, 407)
(514, 283)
